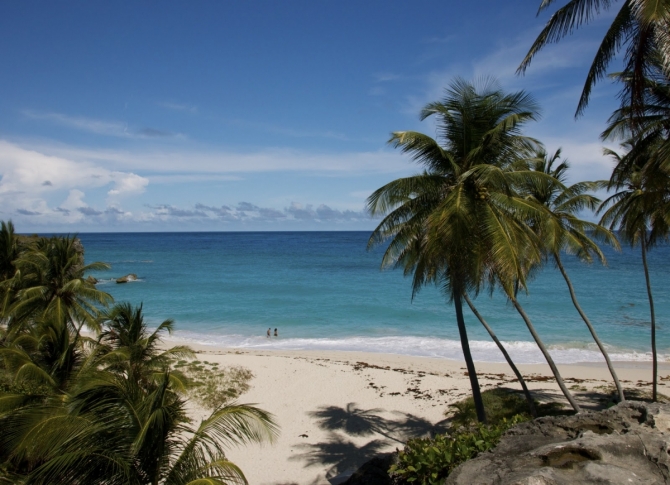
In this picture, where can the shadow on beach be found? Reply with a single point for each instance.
(342, 455)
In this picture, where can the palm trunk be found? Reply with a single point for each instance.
(654, 357)
(526, 392)
(548, 358)
(590, 327)
(469, 363)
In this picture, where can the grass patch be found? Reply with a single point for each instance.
(211, 386)
(500, 404)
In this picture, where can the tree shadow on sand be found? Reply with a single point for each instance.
(339, 455)
(355, 421)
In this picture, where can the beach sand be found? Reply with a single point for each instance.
(337, 410)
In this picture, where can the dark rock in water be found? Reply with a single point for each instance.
(627, 444)
(373, 472)
(127, 278)
(92, 280)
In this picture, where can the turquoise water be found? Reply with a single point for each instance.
(323, 290)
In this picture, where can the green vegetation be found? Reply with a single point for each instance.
(464, 223)
(490, 207)
(210, 386)
(640, 208)
(501, 405)
(107, 410)
(428, 461)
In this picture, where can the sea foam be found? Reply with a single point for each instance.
(482, 351)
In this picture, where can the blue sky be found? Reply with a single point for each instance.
(260, 115)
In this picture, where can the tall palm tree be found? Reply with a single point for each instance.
(648, 126)
(561, 230)
(510, 283)
(640, 210)
(503, 350)
(460, 216)
(639, 27)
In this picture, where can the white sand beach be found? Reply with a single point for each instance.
(337, 410)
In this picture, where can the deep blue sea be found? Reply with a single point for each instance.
(323, 290)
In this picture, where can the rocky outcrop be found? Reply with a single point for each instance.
(91, 280)
(127, 278)
(627, 444)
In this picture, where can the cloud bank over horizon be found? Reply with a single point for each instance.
(170, 129)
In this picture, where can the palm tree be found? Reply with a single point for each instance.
(127, 346)
(648, 125)
(501, 347)
(75, 414)
(640, 27)
(109, 430)
(561, 230)
(51, 277)
(640, 210)
(510, 283)
(9, 252)
(460, 216)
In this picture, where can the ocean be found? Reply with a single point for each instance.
(323, 290)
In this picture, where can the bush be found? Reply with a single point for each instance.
(428, 461)
(500, 404)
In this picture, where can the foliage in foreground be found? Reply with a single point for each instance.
(429, 461)
(106, 410)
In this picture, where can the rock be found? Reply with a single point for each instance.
(92, 280)
(627, 444)
(373, 472)
(127, 278)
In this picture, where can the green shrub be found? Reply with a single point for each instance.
(428, 461)
(500, 404)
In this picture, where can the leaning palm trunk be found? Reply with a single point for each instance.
(590, 327)
(654, 357)
(545, 352)
(526, 392)
(469, 363)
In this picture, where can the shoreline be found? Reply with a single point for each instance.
(338, 409)
(485, 351)
(351, 354)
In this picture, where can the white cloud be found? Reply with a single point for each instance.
(100, 127)
(74, 200)
(197, 160)
(36, 173)
(127, 183)
(247, 212)
(30, 179)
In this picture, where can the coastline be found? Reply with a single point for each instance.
(521, 351)
(338, 409)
